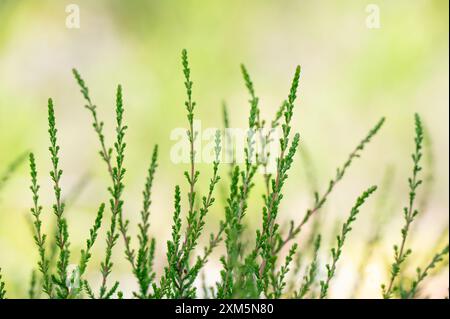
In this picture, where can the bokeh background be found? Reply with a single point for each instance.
(351, 76)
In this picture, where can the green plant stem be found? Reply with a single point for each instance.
(320, 200)
(311, 272)
(422, 274)
(409, 213)
(116, 173)
(62, 235)
(2, 287)
(143, 269)
(346, 228)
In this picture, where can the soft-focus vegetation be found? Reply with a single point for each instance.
(351, 76)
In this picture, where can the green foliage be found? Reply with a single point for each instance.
(143, 266)
(39, 237)
(116, 172)
(58, 284)
(422, 274)
(62, 234)
(12, 167)
(337, 251)
(33, 282)
(85, 253)
(242, 276)
(179, 276)
(311, 272)
(258, 266)
(233, 229)
(269, 235)
(238, 196)
(319, 200)
(278, 281)
(170, 278)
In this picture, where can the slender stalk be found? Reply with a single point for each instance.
(409, 213)
(422, 274)
(311, 272)
(32, 293)
(39, 236)
(116, 173)
(12, 167)
(346, 228)
(143, 268)
(62, 235)
(270, 210)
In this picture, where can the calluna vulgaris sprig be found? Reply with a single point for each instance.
(319, 200)
(60, 284)
(243, 278)
(179, 274)
(33, 285)
(422, 274)
(409, 212)
(62, 234)
(311, 272)
(2, 286)
(258, 267)
(12, 167)
(116, 172)
(143, 266)
(379, 220)
(238, 196)
(39, 237)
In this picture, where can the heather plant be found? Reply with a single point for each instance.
(4, 177)
(12, 167)
(58, 283)
(311, 272)
(2, 286)
(179, 275)
(116, 172)
(337, 251)
(401, 253)
(270, 263)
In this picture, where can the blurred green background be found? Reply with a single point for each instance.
(351, 76)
